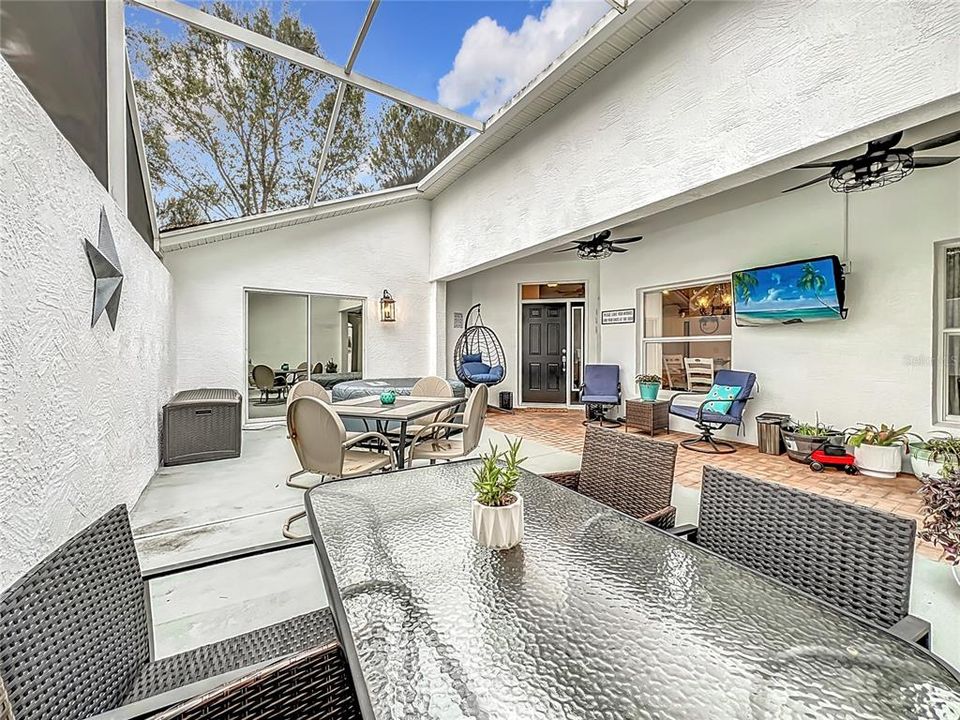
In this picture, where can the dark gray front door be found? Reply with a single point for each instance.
(545, 353)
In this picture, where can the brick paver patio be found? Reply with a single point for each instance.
(563, 430)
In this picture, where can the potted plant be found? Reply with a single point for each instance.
(879, 449)
(649, 386)
(803, 438)
(928, 457)
(941, 511)
(497, 513)
(331, 366)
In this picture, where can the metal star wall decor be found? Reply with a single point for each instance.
(107, 274)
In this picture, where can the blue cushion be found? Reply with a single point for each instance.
(474, 368)
(612, 399)
(690, 413)
(720, 398)
(474, 358)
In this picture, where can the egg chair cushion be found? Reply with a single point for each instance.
(494, 375)
(472, 358)
(474, 368)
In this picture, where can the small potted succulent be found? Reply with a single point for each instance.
(803, 438)
(497, 513)
(928, 457)
(649, 386)
(331, 366)
(941, 511)
(878, 449)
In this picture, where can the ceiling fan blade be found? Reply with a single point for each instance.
(939, 141)
(808, 183)
(885, 143)
(603, 235)
(614, 248)
(824, 164)
(575, 247)
(628, 240)
(934, 161)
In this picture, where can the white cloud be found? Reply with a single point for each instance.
(493, 63)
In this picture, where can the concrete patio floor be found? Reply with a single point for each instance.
(194, 511)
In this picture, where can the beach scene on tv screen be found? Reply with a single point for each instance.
(799, 292)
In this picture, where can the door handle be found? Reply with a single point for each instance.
(563, 360)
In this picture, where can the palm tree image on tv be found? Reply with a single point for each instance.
(785, 294)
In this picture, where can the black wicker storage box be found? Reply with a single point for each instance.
(200, 425)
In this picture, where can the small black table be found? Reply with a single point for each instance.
(593, 616)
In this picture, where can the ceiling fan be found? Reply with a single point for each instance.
(600, 246)
(882, 163)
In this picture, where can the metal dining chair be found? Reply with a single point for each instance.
(323, 448)
(267, 382)
(855, 558)
(627, 472)
(432, 442)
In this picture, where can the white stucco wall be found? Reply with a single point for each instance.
(356, 255)
(876, 366)
(721, 88)
(79, 418)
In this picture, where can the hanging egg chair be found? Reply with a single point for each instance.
(478, 355)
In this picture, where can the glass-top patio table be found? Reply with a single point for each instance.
(404, 410)
(593, 615)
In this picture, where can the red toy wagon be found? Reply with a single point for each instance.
(836, 456)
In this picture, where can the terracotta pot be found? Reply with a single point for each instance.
(498, 527)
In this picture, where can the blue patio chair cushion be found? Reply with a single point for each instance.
(690, 412)
(721, 397)
(475, 368)
(472, 358)
(612, 399)
(601, 384)
(495, 375)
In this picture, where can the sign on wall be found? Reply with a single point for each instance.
(618, 317)
(458, 320)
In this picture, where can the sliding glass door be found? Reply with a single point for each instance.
(296, 336)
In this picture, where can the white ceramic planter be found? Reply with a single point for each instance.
(879, 461)
(923, 464)
(498, 527)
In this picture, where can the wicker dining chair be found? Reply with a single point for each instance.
(855, 558)
(76, 638)
(312, 684)
(630, 473)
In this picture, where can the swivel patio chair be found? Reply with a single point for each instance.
(268, 382)
(855, 558)
(322, 445)
(432, 442)
(600, 391)
(628, 472)
(722, 406)
(76, 637)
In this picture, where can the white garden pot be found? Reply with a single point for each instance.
(498, 527)
(879, 461)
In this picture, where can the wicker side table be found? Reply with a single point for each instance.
(648, 417)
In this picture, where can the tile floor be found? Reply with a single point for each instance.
(563, 429)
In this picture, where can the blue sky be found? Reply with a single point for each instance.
(467, 54)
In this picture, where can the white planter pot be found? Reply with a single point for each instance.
(498, 527)
(879, 461)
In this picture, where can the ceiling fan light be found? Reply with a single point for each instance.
(894, 166)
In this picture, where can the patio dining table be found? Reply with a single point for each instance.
(593, 615)
(403, 411)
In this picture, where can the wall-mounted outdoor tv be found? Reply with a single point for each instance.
(794, 292)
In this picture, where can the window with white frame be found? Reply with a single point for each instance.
(686, 333)
(948, 332)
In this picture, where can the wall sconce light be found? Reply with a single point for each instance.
(388, 308)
